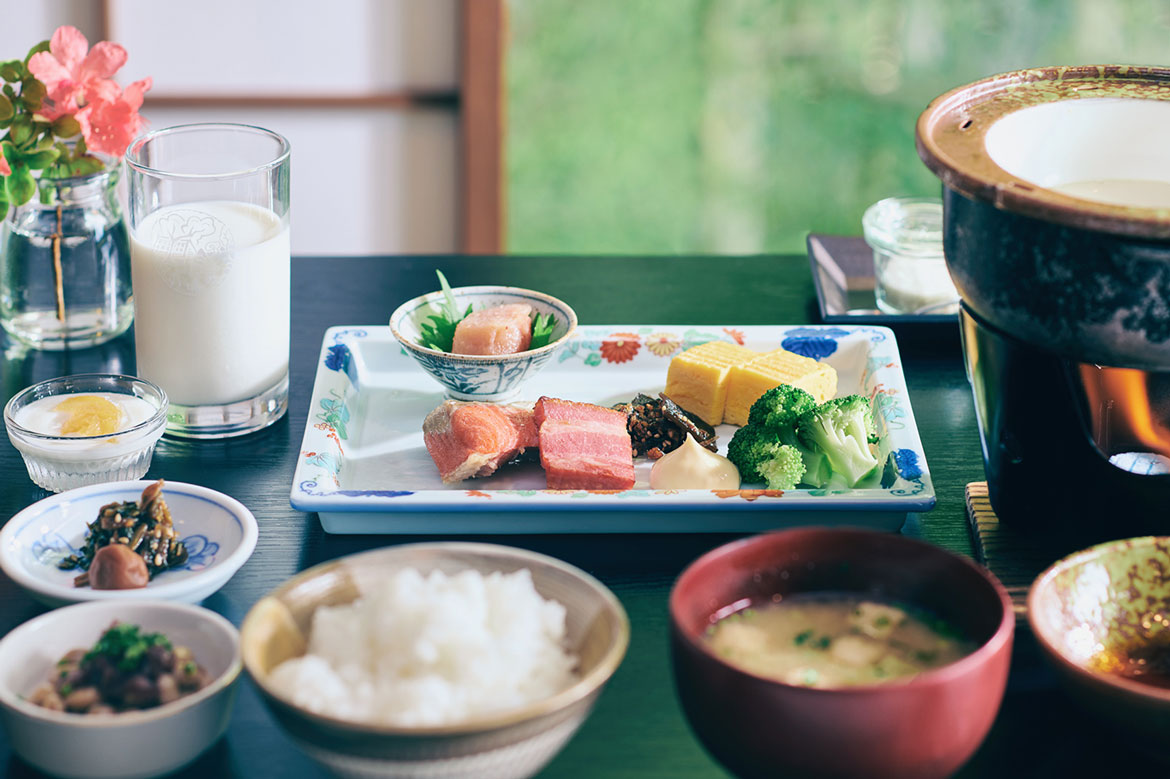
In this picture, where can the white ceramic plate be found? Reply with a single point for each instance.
(220, 534)
(363, 467)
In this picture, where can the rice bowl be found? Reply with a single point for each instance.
(432, 650)
(516, 741)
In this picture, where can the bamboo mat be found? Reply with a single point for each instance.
(1016, 559)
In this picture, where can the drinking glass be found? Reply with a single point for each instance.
(209, 257)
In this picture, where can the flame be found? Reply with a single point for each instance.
(1123, 417)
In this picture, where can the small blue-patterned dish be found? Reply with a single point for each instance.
(219, 532)
(489, 377)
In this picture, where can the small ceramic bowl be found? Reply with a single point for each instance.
(58, 463)
(218, 531)
(481, 376)
(513, 743)
(131, 744)
(1105, 598)
(922, 727)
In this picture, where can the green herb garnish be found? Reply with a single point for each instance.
(440, 332)
(823, 642)
(542, 330)
(802, 637)
(125, 646)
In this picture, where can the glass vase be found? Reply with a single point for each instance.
(65, 265)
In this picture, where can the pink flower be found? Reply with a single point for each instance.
(111, 120)
(73, 74)
(5, 170)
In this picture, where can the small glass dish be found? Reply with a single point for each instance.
(909, 268)
(62, 462)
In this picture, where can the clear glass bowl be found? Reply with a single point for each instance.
(910, 271)
(57, 463)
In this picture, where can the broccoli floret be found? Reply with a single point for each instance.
(780, 407)
(816, 467)
(782, 468)
(760, 455)
(746, 448)
(841, 429)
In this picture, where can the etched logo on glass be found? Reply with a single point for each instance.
(198, 250)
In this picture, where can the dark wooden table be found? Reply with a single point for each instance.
(637, 729)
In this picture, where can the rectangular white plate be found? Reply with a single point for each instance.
(363, 467)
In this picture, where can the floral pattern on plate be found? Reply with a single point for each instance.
(362, 463)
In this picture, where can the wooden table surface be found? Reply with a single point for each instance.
(637, 729)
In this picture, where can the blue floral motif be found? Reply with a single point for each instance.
(814, 342)
(200, 553)
(335, 414)
(906, 461)
(325, 460)
(481, 378)
(890, 410)
(338, 358)
(51, 548)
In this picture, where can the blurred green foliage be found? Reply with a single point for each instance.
(738, 126)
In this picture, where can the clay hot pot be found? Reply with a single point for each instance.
(1086, 279)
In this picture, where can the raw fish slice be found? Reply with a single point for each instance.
(497, 330)
(583, 446)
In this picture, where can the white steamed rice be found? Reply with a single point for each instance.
(432, 650)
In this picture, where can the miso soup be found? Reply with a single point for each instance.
(835, 640)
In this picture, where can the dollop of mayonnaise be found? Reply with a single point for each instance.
(691, 467)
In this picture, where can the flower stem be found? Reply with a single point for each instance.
(56, 239)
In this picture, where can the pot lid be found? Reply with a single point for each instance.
(1017, 167)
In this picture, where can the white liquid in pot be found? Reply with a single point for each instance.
(211, 300)
(1141, 193)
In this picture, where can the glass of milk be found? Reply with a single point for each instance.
(209, 257)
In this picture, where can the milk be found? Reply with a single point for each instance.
(211, 300)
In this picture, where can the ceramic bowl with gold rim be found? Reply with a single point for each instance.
(486, 377)
(1097, 615)
(131, 744)
(515, 742)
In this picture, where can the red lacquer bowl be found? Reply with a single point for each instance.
(925, 726)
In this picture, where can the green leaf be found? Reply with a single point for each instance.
(21, 131)
(3, 203)
(42, 46)
(542, 330)
(41, 159)
(439, 332)
(82, 166)
(66, 127)
(32, 92)
(447, 293)
(9, 91)
(6, 109)
(11, 155)
(21, 186)
(12, 70)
